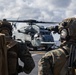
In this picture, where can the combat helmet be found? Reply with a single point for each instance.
(67, 29)
(5, 27)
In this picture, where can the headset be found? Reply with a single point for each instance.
(64, 32)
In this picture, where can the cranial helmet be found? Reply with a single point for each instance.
(67, 29)
(5, 27)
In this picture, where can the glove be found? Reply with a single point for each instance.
(20, 69)
(53, 28)
(56, 29)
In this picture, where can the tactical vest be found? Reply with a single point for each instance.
(3, 56)
(11, 48)
(12, 57)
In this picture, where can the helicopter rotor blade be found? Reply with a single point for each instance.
(32, 21)
(17, 21)
(48, 22)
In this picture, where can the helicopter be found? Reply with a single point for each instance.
(36, 37)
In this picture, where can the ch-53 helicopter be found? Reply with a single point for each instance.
(36, 37)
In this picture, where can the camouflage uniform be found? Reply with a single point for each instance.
(15, 50)
(19, 51)
(55, 62)
(26, 58)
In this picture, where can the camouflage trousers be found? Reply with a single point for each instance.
(53, 63)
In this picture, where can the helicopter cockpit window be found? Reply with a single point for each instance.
(44, 33)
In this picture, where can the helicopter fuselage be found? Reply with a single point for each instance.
(37, 36)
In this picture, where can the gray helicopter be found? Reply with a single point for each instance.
(36, 37)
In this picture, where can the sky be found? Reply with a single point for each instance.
(41, 10)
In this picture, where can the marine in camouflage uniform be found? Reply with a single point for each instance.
(15, 50)
(55, 62)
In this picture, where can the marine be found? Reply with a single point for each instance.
(61, 61)
(11, 50)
